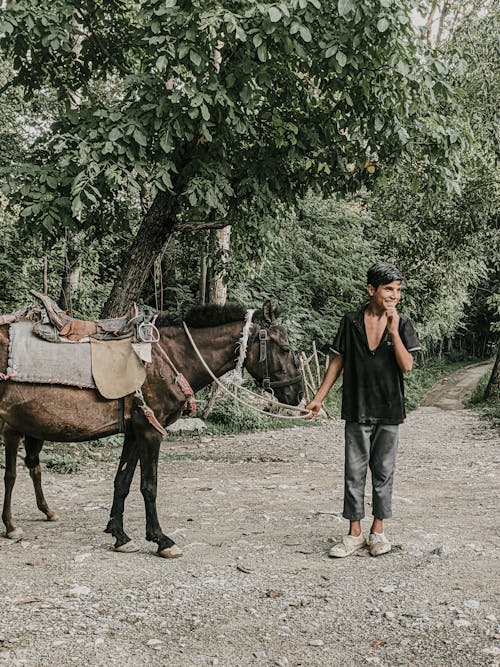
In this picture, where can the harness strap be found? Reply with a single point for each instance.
(189, 407)
(149, 414)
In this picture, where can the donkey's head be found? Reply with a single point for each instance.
(270, 359)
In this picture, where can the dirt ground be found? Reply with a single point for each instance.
(255, 515)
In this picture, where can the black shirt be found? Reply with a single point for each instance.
(373, 389)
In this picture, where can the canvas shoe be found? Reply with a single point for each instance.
(378, 544)
(347, 546)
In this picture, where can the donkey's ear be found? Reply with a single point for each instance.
(268, 312)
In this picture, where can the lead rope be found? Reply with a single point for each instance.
(240, 400)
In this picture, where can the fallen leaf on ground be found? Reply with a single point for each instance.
(378, 642)
(273, 594)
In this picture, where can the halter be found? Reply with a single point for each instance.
(304, 414)
(267, 384)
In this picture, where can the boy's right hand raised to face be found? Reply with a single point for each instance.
(392, 319)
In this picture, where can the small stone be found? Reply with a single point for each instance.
(316, 642)
(471, 604)
(155, 644)
(99, 641)
(388, 589)
(282, 661)
(193, 424)
(78, 590)
(259, 654)
(438, 551)
(390, 615)
(491, 617)
(492, 650)
(461, 623)
(79, 558)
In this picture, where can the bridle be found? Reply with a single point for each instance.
(249, 335)
(261, 332)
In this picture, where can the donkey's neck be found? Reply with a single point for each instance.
(217, 345)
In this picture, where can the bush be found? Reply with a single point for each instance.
(229, 416)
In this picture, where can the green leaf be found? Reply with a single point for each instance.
(345, 6)
(274, 14)
(331, 51)
(341, 58)
(382, 25)
(161, 63)
(140, 138)
(262, 53)
(115, 134)
(205, 112)
(305, 33)
(195, 58)
(257, 41)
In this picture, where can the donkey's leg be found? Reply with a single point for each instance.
(149, 440)
(33, 448)
(11, 439)
(123, 479)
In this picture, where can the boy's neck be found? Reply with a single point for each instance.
(374, 310)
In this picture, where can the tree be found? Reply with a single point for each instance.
(306, 94)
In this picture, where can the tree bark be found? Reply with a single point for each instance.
(493, 389)
(218, 287)
(156, 227)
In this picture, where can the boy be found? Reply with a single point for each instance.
(374, 347)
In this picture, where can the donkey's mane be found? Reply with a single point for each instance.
(211, 315)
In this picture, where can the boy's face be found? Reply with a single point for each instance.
(386, 296)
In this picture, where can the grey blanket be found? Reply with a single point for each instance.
(32, 359)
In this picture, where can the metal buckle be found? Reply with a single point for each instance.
(148, 333)
(263, 334)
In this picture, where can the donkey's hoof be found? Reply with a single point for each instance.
(15, 535)
(171, 552)
(128, 548)
(53, 516)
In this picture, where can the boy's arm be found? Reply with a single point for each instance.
(332, 373)
(404, 358)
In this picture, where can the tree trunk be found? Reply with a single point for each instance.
(72, 272)
(156, 227)
(218, 287)
(493, 389)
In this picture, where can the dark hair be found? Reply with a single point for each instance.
(382, 273)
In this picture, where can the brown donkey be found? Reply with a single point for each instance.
(38, 412)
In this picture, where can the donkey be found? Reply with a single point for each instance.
(38, 412)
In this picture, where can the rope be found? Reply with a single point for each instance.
(240, 400)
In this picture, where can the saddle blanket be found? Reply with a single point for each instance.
(111, 367)
(32, 359)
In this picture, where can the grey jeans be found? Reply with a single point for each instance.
(375, 445)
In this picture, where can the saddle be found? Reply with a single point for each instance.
(56, 326)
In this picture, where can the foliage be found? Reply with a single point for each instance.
(316, 272)
(223, 106)
(229, 416)
(66, 464)
(489, 410)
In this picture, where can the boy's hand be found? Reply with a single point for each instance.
(314, 407)
(392, 319)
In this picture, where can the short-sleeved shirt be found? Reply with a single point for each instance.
(373, 388)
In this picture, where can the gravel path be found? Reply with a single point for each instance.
(255, 515)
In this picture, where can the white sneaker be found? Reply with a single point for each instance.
(347, 546)
(378, 544)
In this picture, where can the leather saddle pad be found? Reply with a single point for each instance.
(116, 368)
(113, 367)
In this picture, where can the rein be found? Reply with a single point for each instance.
(240, 400)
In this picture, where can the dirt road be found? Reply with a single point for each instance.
(255, 515)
